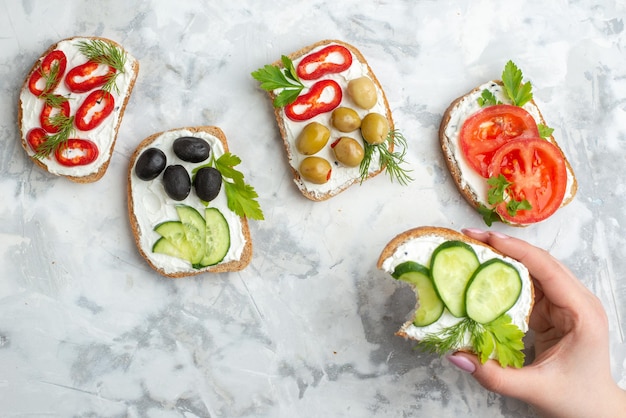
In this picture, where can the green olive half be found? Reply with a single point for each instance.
(313, 138)
(374, 128)
(348, 151)
(345, 119)
(315, 169)
(362, 91)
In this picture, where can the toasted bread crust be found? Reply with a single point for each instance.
(447, 234)
(456, 172)
(279, 115)
(234, 265)
(122, 108)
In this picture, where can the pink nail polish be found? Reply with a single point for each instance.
(474, 231)
(499, 234)
(462, 363)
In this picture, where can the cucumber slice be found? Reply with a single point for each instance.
(174, 233)
(217, 237)
(452, 265)
(430, 304)
(165, 246)
(194, 228)
(493, 290)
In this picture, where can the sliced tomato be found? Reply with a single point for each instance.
(76, 151)
(49, 111)
(536, 168)
(94, 110)
(486, 130)
(323, 96)
(35, 138)
(47, 77)
(88, 76)
(329, 60)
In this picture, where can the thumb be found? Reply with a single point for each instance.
(506, 381)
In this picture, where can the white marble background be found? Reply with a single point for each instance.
(88, 329)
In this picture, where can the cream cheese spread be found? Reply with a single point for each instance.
(341, 176)
(463, 109)
(152, 205)
(420, 250)
(103, 135)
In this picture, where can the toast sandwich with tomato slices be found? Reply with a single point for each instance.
(502, 154)
(72, 103)
(334, 119)
(469, 296)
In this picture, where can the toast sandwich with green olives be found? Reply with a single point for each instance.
(189, 205)
(334, 119)
(469, 296)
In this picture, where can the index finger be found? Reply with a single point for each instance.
(557, 282)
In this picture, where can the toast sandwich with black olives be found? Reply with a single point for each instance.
(470, 297)
(334, 119)
(188, 205)
(71, 105)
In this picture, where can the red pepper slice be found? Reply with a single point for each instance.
(76, 151)
(54, 59)
(84, 77)
(329, 60)
(36, 137)
(49, 111)
(94, 110)
(323, 96)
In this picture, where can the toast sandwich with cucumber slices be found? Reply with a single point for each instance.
(470, 297)
(188, 205)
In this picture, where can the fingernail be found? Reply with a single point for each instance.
(499, 234)
(474, 231)
(462, 363)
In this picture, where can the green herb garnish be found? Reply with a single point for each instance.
(519, 93)
(105, 53)
(273, 77)
(487, 98)
(500, 191)
(240, 196)
(500, 335)
(544, 131)
(391, 161)
(66, 129)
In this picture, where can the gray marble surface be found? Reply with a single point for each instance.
(88, 329)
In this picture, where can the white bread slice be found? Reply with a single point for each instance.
(471, 185)
(417, 245)
(342, 177)
(148, 205)
(104, 136)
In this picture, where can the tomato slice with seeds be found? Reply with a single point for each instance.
(76, 151)
(324, 96)
(328, 60)
(50, 111)
(88, 76)
(52, 65)
(94, 110)
(36, 137)
(536, 168)
(488, 129)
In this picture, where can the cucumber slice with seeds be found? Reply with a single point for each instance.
(430, 305)
(217, 237)
(194, 228)
(494, 288)
(174, 233)
(452, 265)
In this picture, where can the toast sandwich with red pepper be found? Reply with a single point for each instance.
(502, 154)
(334, 119)
(72, 103)
(188, 205)
(469, 296)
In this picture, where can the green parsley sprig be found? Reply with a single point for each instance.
(391, 161)
(500, 191)
(105, 53)
(273, 78)
(240, 197)
(499, 335)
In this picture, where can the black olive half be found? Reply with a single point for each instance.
(176, 182)
(150, 164)
(191, 149)
(207, 182)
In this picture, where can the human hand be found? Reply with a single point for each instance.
(571, 373)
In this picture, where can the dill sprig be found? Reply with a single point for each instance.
(66, 129)
(392, 161)
(105, 53)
